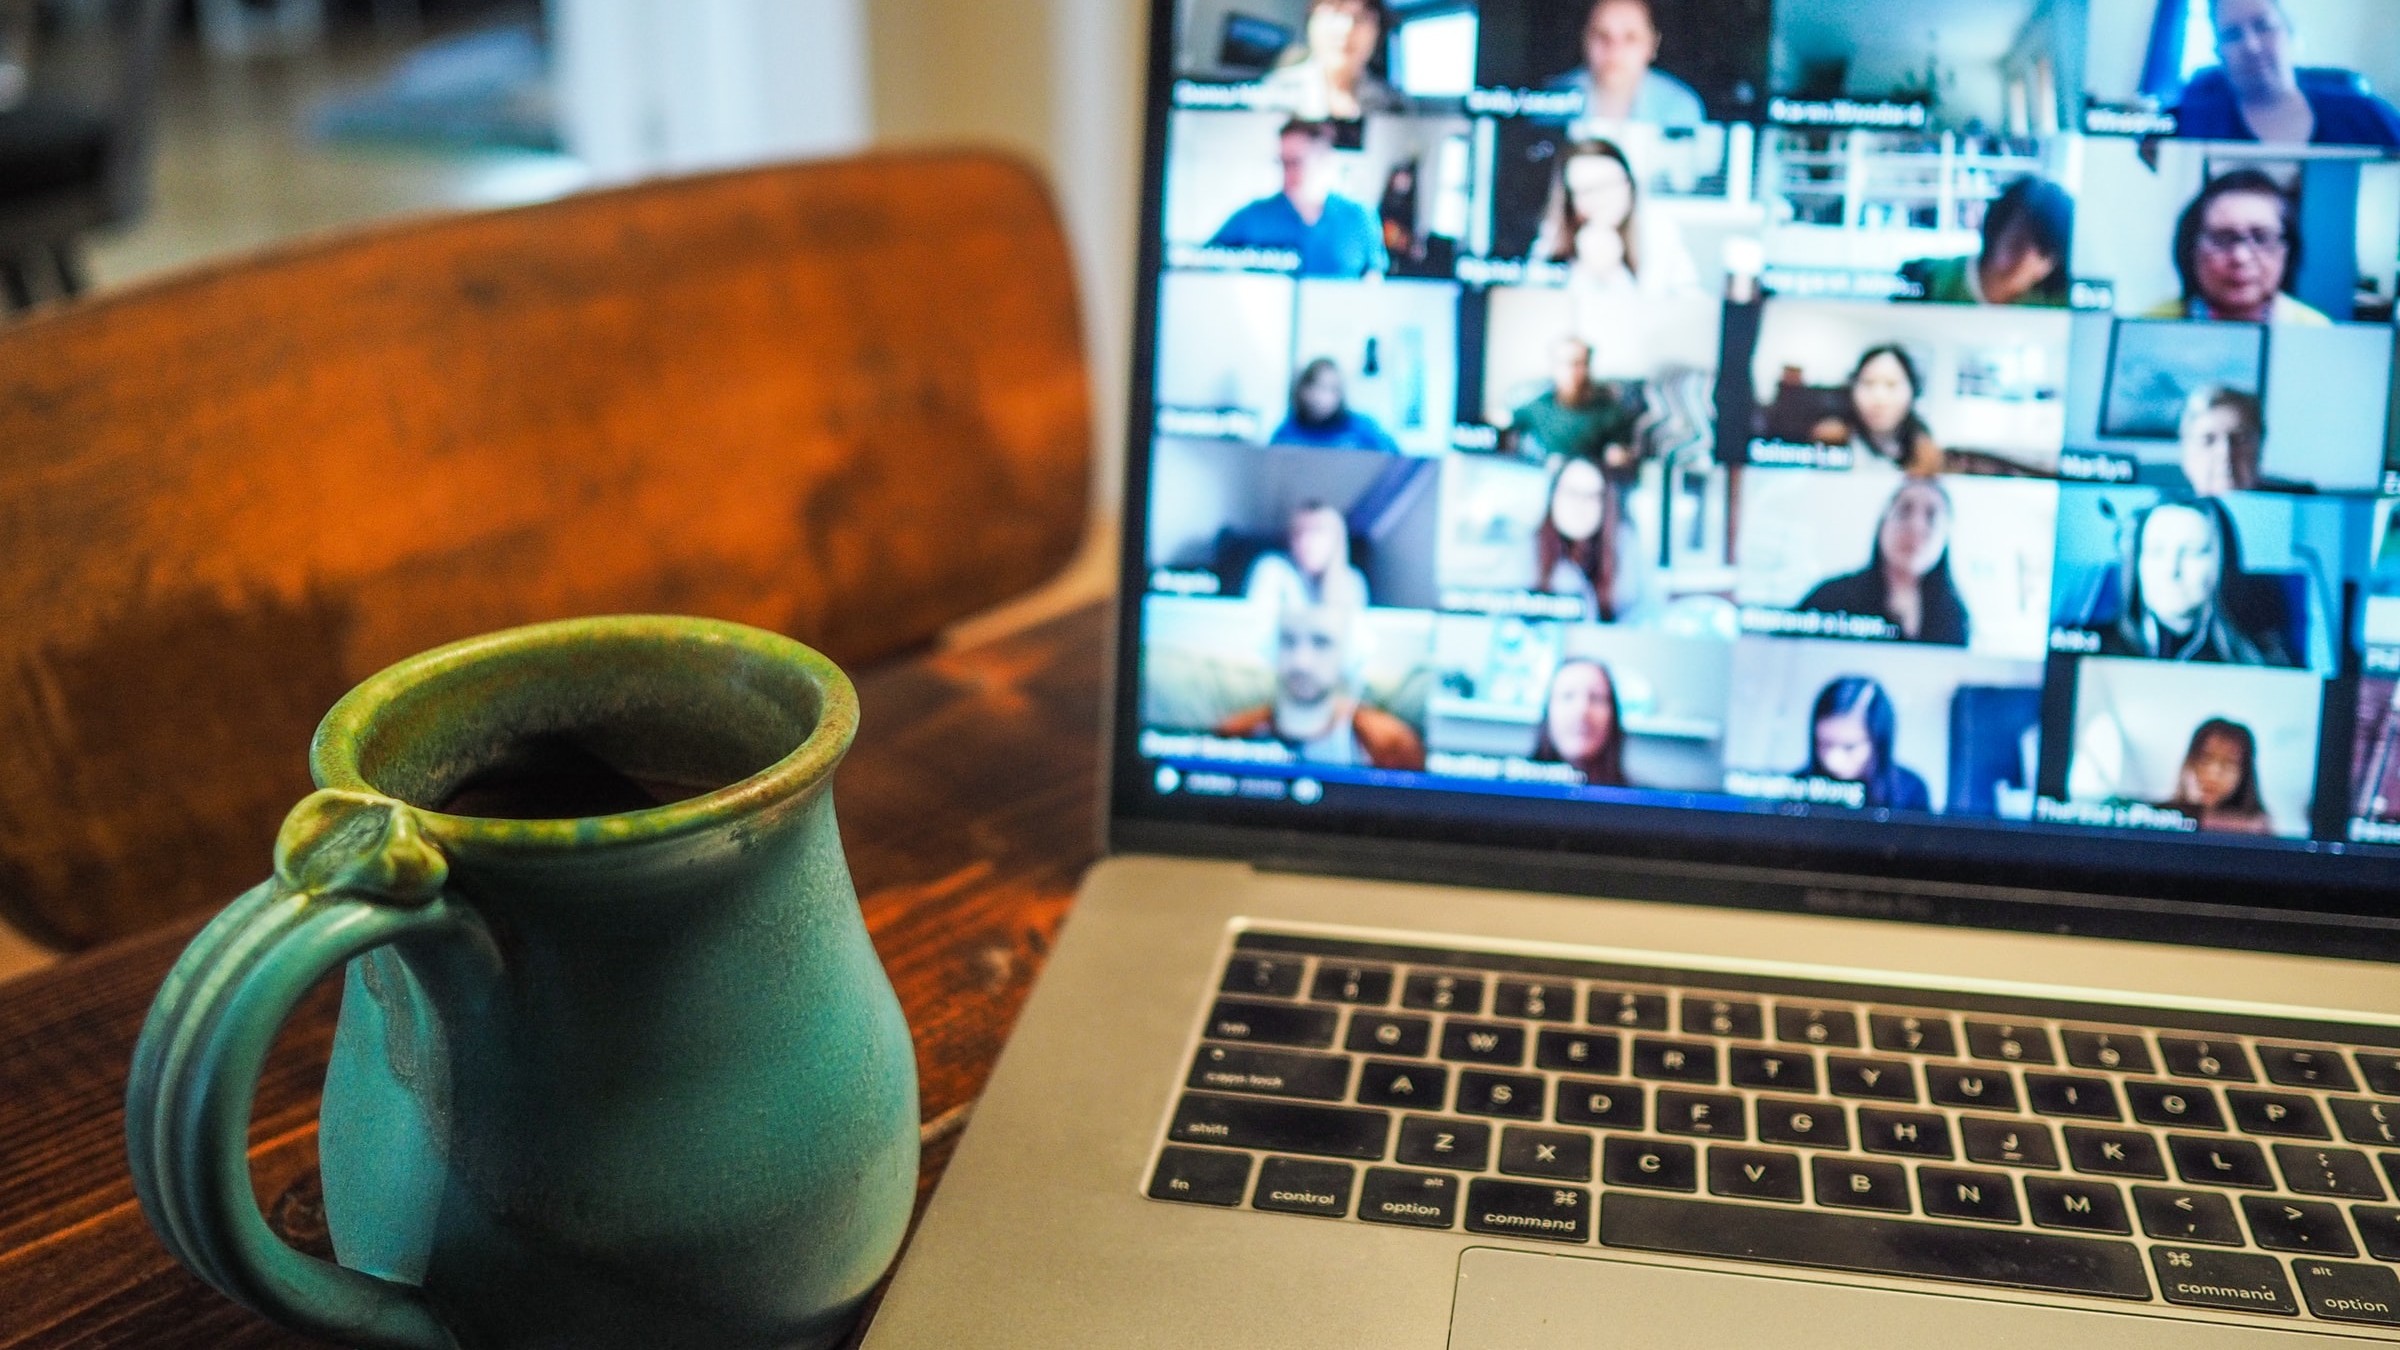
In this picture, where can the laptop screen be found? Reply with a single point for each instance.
(1943, 437)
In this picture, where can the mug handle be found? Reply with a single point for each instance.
(353, 872)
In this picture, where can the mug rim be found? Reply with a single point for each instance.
(334, 750)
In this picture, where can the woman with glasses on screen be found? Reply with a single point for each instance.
(2218, 784)
(2181, 575)
(1583, 726)
(1851, 731)
(1906, 582)
(1879, 420)
(1324, 77)
(2257, 92)
(2237, 249)
(1585, 548)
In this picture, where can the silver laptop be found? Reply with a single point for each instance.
(1756, 696)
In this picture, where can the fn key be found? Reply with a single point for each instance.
(1200, 1176)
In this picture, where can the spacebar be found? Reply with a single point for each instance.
(2011, 1257)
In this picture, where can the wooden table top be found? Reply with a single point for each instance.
(969, 809)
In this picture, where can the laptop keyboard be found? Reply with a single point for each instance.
(2232, 1164)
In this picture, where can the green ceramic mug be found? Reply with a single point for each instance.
(617, 1065)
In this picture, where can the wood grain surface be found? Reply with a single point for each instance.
(969, 811)
(844, 401)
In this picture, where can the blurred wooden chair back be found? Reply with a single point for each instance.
(844, 401)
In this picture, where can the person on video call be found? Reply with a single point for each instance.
(1334, 236)
(1851, 730)
(1619, 80)
(2183, 564)
(1324, 77)
(1315, 710)
(1879, 420)
(1582, 725)
(2028, 236)
(2256, 93)
(1577, 417)
(2218, 784)
(2222, 431)
(1313, 569)
(1907, 581)
(1322, 418)
(2237, 249)
(1584, 546)
(1594, 226)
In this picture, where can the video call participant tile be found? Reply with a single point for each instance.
(1841, 63)
(1578, 705)
(2374, 804)
(2250, 579)
(1947, 562)
(1565, 541)
(1265, 191)
(1845, 726)
(1674, 63)
(1598, 377)
(2212, 408)
(1632, 209)
(1323, 59)
(2192, 749)
(2283, 72)
(1293, 527)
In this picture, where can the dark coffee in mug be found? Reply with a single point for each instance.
(559, 776)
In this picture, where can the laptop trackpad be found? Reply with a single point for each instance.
(1510, 1300)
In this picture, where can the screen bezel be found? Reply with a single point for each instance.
(2319, 900)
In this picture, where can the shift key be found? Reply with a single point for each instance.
(1236, 1019)
(1280, 1127)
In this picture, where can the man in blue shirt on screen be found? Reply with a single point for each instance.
(1334, 236)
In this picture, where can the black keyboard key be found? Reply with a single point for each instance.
(1529, 1210)
(2179, 1105)
(1805, 1124)
(2328, 1171)
(1270, 1073)
(2221, 1061)
(1956, 1193)
(1848, 1183)
(1709, 1115)
(1431, 991)
(1674, 1061)
(1885, 1080)
(2009, 1043)
(1739, 1019)
(1420, 1087)
(1292, 1186)
(1262, 976)
(2220, 1162)
(1279, 1127)
(1535, 1002)
(2226, 1281)
(1483, 1043)
(1578, 1051)
(2008, 1143)
(2112, 1051)
(2009, 1258)
(1553, 1155)
(1366, 986)
(2077, 1206)
(1971, 1088)
(1627, 1009)
(2343, 1292)
(1912, 1033)
(1773, 1070)
(2276, 1113)
(1511, 1096)
(2381, 1228)
(2187, 1216)
(2311, 1226)
(1606, 1106)
(2381, 1072)
(2367, 1122)
(2114, 1153)
(2058, 1094)
(1412, 1199)
(1378, 1034)
(1650, 1165)
(2306, 1066)
(1272, 1024)
(1200, 1176)
(1915, 1134)
(1465, 1145)
(1836, 1028)
(1755, 1174)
